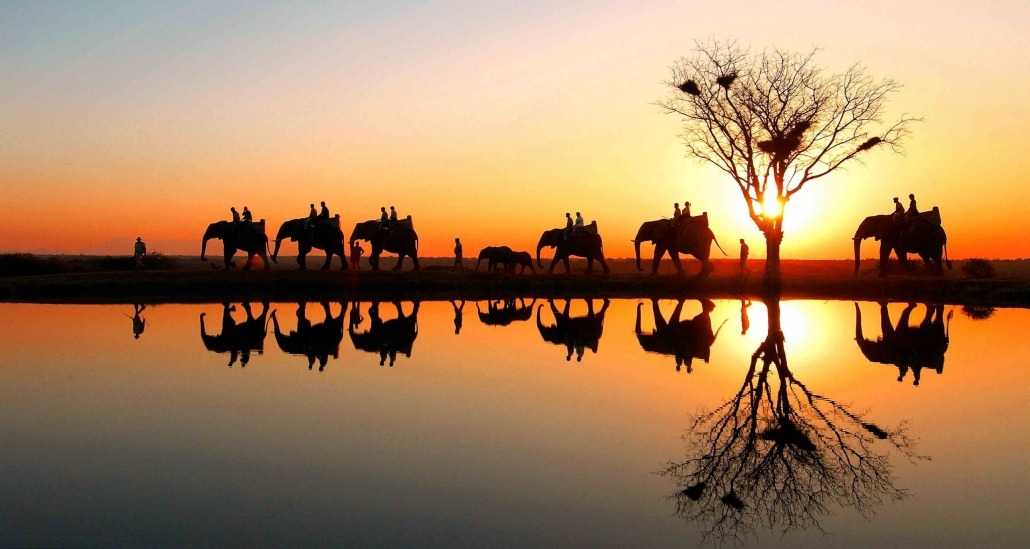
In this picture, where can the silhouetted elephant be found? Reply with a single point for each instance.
(924, 237)
(386, 338)
(317, 341)
(523, 259)
(907, 347)
(249, 237)
(584, 242)
(503, 313)
(494, 255)
(575, 333)
(683, 339)
(237, 339)
(398, 237)
(324, 234)
(688, 235)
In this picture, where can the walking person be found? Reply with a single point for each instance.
(355, 254)
(139, 251)
(743, 257)
(458, 264)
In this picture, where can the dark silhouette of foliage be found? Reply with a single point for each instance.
(978, 267)
(978, 312)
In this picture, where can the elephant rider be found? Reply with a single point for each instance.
(309, 222)
(913, 211)
(393, 215)
(247, 217)
(568, 226)
(235, 215)
(676, 210)
(686, 209)
(899, 211)
(579, 223)
(324, 214)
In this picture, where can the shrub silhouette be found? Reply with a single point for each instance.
(978, 267)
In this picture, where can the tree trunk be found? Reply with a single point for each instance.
(773, 239)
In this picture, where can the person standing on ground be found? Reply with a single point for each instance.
(743, 256)
(139, 251)
(355, 254)
(457, 255)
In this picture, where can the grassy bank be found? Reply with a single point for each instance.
(188, 280)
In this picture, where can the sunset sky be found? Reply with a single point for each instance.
(483, 120)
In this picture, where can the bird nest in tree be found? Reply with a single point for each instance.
(689, 87)
(726, 80)
(869, 143)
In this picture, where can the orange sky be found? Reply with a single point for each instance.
(486, 121)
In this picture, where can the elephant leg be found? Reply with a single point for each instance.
(565, 262)
(302, 257)
(604, 264)
(885, 254)
(590, 264)
(659, 253)
(328, 260)
(554, 261)
(227, 257)
(675, 257)
(400, 261)
(414, 260)
(264, 260)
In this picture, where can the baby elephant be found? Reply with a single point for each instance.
(494, 256)
(520, 258)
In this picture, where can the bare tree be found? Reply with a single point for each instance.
(773, 121)
(778, 455)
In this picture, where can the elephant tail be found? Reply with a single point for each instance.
(946, 260)
(716, 240)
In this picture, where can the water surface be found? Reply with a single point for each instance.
(511, 424)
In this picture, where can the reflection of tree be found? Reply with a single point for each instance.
(779, 456)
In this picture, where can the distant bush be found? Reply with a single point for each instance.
(978, 267)
(27, 265)
(978, 312)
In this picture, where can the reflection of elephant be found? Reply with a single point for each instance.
(324, 234)
(575, 333)
(397, 237)
(313, 341)
(582, 242)
(237, 339)
(907, 347)
(385, 338)
(494, 256)
(503, 313)
(683, 339)
(688, 235)
(247, 236)
(924, 237)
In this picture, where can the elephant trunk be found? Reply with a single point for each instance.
(203, 243)
(539, 246)
(636, 327)
(858, 252)
(278, 242)
(636, 250)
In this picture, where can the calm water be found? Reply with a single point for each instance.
(361, 425)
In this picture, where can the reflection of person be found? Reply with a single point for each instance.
(355, 254)
(138, 322)
(457, 255)
(139, 251)
(743, 256)
(745, 322)
(457, 315)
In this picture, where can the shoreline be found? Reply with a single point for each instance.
(197, 286)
